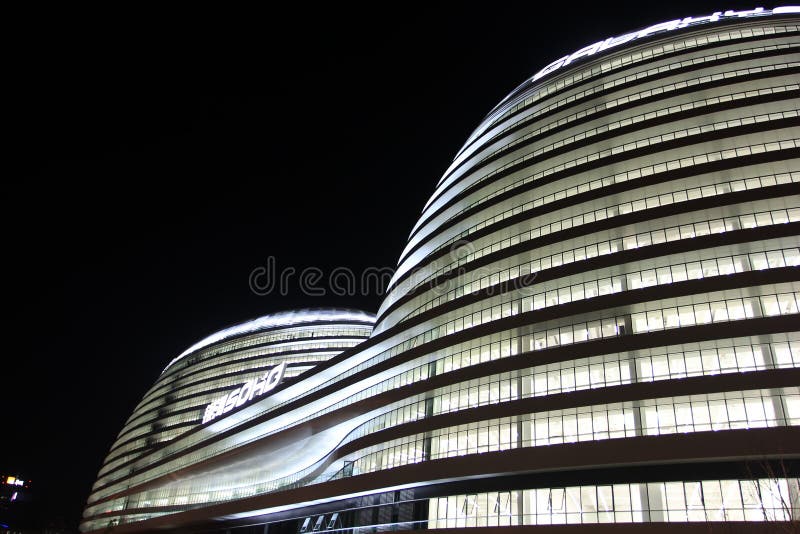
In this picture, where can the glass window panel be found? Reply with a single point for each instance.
(747, 221)
(591, 289)
(694, 270)
(564, 295)
(671, 318)
(741, 264)
(664, 275)
(616, 423)
(755, 411)
(594, 328)
(580, 333)
(725, 266)
(581, 377)
(673, 234)
(655, 320)
(783, 355)
(674, 496)
(775, 259)
(566, 335)
(702, 420)
(649, 278)
(556, 501)
(660, 366)
(743, 358)
(758, 261)
(679, 273)
(763, 219)
(717, 226)
(683, 417)
(605, 498)
(694, 363)
(731, 494)
(577, 292)
(787, 303)
(702, 313)
(639, 321)
(622, 497)
(686, 315)
(609, 327)
(710, 268)
(719, 414)
(677, 365)
(634, 280)
(666, 418)
(727, 358)
(769, 304)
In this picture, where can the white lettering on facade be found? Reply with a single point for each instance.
(248, 391)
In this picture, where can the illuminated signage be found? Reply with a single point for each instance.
(249, 390)
(611, 42)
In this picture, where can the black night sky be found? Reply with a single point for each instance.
(154, 159)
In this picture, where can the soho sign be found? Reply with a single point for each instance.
(657, 28)
(251, 389)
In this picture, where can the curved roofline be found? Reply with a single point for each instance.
(607, 46)
(278, 319)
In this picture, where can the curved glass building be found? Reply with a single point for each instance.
(226, 377)
(595, 320)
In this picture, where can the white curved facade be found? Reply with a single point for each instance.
(595, 320)
(173, 409)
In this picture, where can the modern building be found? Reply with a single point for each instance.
(221, 379)
(595, 320)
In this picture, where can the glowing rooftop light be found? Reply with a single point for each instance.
(274, 320)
